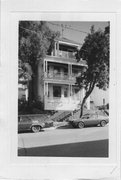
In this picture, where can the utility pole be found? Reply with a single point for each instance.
(62, 26)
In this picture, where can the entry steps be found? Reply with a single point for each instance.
(64, 115)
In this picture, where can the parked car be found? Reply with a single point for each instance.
(26, 123)
(92, 119)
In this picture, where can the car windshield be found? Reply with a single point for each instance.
(23, 119)
(89, 116)
(86, 116)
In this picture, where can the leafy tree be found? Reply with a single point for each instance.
(95, 51)
(35, 41)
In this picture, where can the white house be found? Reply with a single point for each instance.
(57, 73)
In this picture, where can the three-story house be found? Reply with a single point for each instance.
(57, 77)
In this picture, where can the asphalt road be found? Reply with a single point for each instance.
(65, 142)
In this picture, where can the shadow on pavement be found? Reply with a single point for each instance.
(82, 149)
(29, 131)
(68, 126)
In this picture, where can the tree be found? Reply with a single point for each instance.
(95, 51)
(35, 41)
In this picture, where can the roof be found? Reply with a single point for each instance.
(65, 40)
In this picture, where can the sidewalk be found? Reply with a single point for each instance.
(57, 125)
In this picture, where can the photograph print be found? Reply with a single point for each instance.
(63, 88)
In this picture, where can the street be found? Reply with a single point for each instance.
(65, 142)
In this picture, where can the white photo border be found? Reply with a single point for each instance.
(78, 166)
(112, 89)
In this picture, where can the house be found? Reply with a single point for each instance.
(57, 74)
(22, 90)
(22, 85)
(100, 97)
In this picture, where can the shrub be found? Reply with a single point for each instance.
(34, 107)
(25, 107)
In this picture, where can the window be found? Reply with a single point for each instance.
(76, 90)
(56, 91)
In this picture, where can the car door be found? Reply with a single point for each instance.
(19, 123)
(90, 120)
(24, 123)
(85, 119)
(94, 119)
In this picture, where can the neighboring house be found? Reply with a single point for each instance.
(22, 86)
(100, 97)
(57, 76)
(22, 91)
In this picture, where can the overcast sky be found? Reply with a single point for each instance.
(81, 26)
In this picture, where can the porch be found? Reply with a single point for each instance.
(62, 96)
(61, 71)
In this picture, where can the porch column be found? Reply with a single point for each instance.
(71, 89)
(68, 70)
(57, 48)
(44, 88)
(47, 68)
(71, 69)
(47, 89)
(44, 66)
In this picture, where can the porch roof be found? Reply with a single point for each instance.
(68, 41)
(66, 60)
(62, 82)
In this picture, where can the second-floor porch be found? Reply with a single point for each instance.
(62, 71)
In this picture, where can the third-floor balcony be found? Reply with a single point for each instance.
(66, 54)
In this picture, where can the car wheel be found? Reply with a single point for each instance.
(36, 129)
(81, 125)
(103, 123)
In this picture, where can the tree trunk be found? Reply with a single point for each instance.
(85, 98)
(82, 107)
(30, 98)
(33, 87)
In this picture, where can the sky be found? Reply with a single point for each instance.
(81, 26)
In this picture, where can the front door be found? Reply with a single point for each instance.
(57, 91)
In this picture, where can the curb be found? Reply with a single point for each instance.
(49, 128)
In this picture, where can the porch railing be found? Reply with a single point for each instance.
(66, 54)
(61, 76)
